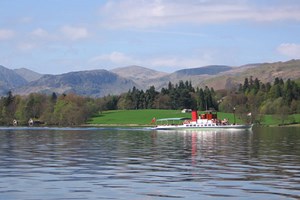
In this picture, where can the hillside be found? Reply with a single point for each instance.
(9, 79)
(93, 83)
(97, 83)
(28, 75)
(196, 75)
(225, 77)
(207, 70)
(265, 72)
(140, 75)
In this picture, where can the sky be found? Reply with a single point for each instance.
(60, 36)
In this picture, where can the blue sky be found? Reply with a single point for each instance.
(59, 36)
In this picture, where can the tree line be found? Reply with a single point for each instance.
(64, 110)
(281, 97)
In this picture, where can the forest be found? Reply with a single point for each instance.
(280, 97)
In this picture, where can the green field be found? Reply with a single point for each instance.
(133, 117)
(144, 117)
(275, 120)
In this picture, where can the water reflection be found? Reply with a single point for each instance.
(135, 164)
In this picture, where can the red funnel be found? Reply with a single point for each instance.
(194, 115)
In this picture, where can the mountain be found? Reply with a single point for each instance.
(145, 77)
(98, 83)
(139, 75)
(225, 77)
(28, 75)
(265, 72)
(9, 79)
(195, 75)
(207, 70)
(94, 83)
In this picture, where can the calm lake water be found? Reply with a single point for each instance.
(143, 164)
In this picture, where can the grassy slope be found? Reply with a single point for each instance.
(139, 117)
(144, 117)
(265, 73)
(273, 120)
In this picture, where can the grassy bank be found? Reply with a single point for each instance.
(277, 120)
(144, 117)
(133, 117)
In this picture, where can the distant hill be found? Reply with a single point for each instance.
(207, 70)
(95, 83)
(98, 83)
(139, 75)
(28, 75)
(195, 75)
(265, 72)
(225, 77)
(9, 79)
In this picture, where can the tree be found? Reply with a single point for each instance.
(246, 85)
(275, 92)
(256, 86)
(150, 96)
(54, 97)
(201, 100)
(35, 105)
(185, 99)
(9, 107)
(163, 101)
(288, 92)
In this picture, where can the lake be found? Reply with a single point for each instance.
(114, 163)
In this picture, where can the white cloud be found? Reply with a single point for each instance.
(172, 63)
(25, 20)
(115, 58)
(39, 32)
(6, 34)
(290, 50)
(26, 46)
(152, 13)
(176, 62)
(167, 63)
(74, 33)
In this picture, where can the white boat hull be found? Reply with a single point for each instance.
(199, 127)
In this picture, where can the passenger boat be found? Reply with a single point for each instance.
(208, 120)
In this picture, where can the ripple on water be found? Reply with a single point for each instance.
(138, 164)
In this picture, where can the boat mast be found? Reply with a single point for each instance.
(234, 115)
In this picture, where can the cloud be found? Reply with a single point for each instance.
(115, 58)
(41, 33)
(153, 13)
(290, 50)
(74, 33)
(164, 63)
(180, 62)
(26, 46)
(6, 34)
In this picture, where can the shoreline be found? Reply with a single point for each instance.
(115, 125)
(130, 125)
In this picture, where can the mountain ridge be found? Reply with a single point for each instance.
(94, 83)
(101, 82)
(9, 79)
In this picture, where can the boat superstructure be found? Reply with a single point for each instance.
(208, 120)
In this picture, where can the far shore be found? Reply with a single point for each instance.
(116, 125)
(150, 125)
